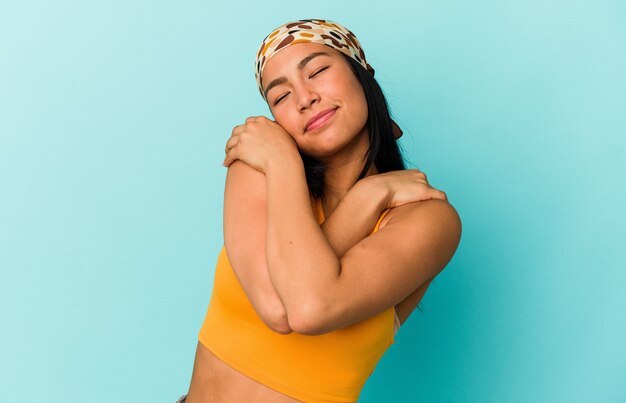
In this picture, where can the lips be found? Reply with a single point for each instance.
(319, 119)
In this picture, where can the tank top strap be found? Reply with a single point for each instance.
(319, 211)
(383, 214)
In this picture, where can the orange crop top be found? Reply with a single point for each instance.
(331, 367)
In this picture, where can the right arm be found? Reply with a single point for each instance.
(245, 231)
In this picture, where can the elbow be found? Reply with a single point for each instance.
(306, 320)
(279, 323)
(275, 317)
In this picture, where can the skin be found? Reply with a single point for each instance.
(341, 146)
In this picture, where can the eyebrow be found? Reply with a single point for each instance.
(282, 80)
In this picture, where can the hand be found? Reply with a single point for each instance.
(257, 142)
(405, 186)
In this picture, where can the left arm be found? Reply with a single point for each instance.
(323, 292)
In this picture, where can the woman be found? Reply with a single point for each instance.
(309, 297)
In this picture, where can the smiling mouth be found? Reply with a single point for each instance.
(321, 121)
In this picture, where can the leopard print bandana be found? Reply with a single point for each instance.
(324, 32)
(317, 31)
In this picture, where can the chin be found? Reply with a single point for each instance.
(325, 146)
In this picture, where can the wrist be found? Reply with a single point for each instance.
(373, 187)
(284, 163)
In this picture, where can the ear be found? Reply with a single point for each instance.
(397, 132)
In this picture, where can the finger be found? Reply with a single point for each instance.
(231, 156)
(422, 178)
(238, 129)
(438, 194)
(231, 143)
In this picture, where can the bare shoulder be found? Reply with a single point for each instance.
(424, 229)
(434, 210)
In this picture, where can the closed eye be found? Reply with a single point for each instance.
(313, 75)
(280, 99)
(318, 71)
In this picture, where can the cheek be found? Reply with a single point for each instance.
(359, 104)
(354, 90)
(287, 123)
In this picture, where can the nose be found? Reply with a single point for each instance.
(306, 96)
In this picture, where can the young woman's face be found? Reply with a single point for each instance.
(308, 78)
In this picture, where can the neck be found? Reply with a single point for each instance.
(342, 171)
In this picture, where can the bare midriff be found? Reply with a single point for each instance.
(214, 381)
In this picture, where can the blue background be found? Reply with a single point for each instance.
(113, 121)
